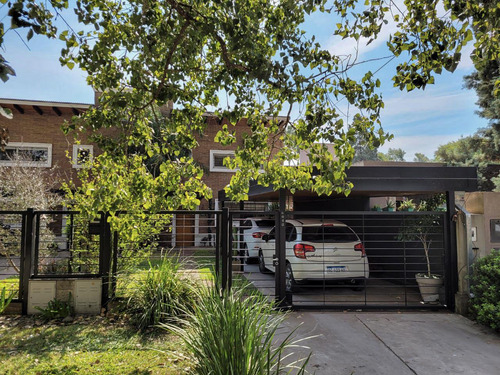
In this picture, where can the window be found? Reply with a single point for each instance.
(290, 232)
(81, 155)
(217, 160)
(26, 154)
(328, 233)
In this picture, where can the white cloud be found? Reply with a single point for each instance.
(422, 104)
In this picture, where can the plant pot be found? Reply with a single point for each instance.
(390, 209)
(410, 209)
(429, 288)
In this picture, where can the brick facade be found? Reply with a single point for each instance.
(44, 126)
(214, 179)
(40, 122)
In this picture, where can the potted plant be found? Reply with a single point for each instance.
(422, 228)
(376, 208)
(389, 204)
(407, 205)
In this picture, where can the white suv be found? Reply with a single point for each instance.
(317, 250)
(254, 228)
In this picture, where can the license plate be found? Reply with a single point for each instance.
(336, 269)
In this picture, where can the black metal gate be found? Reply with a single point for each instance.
(342, 260)
(333, 260)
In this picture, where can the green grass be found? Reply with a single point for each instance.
(97, 347)
(11, 284)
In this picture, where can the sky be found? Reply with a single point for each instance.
(420, 120)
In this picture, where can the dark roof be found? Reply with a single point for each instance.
(393, 180)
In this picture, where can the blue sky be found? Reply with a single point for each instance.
(420, 120)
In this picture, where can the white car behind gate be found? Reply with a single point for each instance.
(254, 228)
(317, 250)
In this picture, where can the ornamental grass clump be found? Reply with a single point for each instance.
(230, 333)
(162, 295)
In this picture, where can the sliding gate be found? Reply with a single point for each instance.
(342, 260)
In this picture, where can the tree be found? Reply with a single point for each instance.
(142, 54)
(480, 150)
(145, 54)
(393, 154)
(483, 82)
(24, 187)
(483, 147)
(421, 158)
(363, 150)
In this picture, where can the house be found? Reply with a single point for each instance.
(35, 133)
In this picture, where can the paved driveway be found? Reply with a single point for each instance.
(396, 344)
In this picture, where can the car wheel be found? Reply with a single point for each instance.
(290, 283)
(262, 263)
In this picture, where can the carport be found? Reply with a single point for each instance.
(393, 262)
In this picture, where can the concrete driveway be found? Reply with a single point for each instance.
(395, 344)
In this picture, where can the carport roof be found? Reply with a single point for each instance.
(400, 179)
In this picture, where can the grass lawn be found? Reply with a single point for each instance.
(91, 345)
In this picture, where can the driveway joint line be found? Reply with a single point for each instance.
(387, 346)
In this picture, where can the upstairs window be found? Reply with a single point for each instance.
(81, 155)
(217, 160)
(26, 155)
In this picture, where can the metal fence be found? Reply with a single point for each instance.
(339, 260)
(11, 242)
(343, 260)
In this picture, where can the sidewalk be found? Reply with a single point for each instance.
(396, 344)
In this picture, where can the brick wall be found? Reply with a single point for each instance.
(31, 127)
(217, 180)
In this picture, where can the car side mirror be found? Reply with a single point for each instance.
(265, 237)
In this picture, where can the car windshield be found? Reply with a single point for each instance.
(328, 234)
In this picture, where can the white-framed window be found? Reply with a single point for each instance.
(217, 160)
(26, 155)
(81, 155)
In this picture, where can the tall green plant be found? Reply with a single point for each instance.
(423, 228)
(230, 333)
(5, 300)
(162, 295)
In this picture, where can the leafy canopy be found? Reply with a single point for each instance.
(144, 54)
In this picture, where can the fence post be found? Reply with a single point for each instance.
(105, 251)
(218, 236)
(283, 297)
(451, 257)
(225, 246)
(26, 261)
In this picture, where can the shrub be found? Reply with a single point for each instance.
(57, 309)
(161, 295)
(234, 334)
(485, 288)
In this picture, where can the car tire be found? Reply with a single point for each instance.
(262, 263)
(290, 283)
